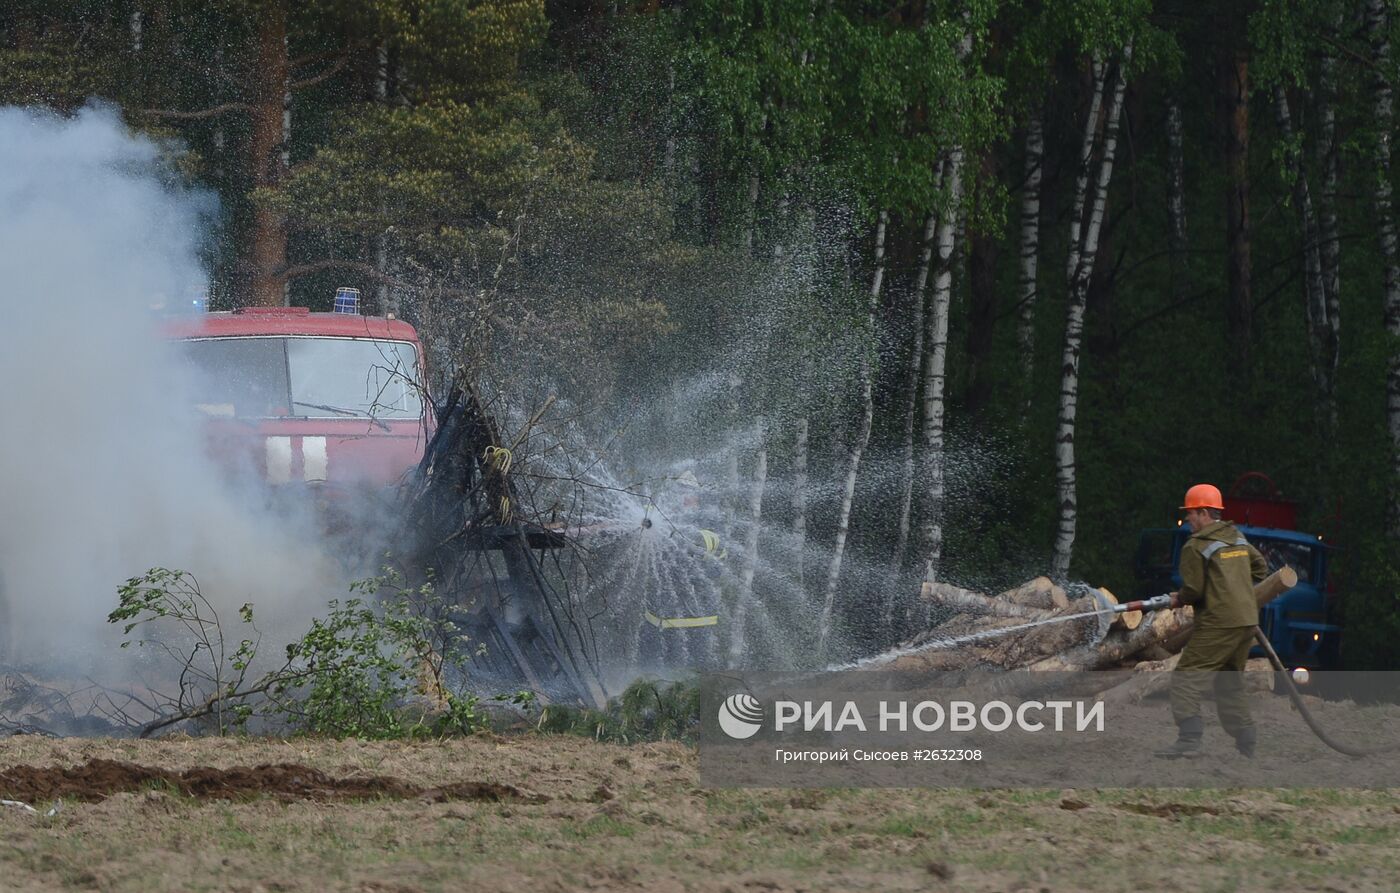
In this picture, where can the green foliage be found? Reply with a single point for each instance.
(1372, 608)
(647, 710)
(181, 623)
(463, 172)
(387, 663)
(448, 43)
(573, 181)
(363, 663)
(1285, 35)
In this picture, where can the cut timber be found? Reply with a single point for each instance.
(944, 648)
(1150, 677)
(1129, 620)
(1275, 584)
(1081, 644)
(965, 601)
(1020, 649)
(1039, 593)
(1259, 675)
(1120, 644)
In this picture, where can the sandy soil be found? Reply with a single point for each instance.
(571, 814)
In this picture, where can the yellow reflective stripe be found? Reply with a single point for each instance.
(680, 622)
(1238, 553)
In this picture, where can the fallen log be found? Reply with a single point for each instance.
(1150, 677)
(979, 641)
(1129, 620)
(1275, 584)
(1120, 645)
(964, 601)
(1039, 593)
(1030, 642)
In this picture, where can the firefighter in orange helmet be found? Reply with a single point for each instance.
(1218, 571)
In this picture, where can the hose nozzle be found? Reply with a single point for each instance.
(1156, 603)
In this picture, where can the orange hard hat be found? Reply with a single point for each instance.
(1204, 496)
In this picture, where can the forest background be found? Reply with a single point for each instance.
(971, 289)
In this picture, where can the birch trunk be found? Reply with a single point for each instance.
(750, 563)
(1176, 195)
(867, 418)
(1030, 248)
(731, 471)
(1084, 253)
(1081, 177)
(935, 372)
(1315, 298)
(1383, 119)
(799, 499)
(916, 364)
(269, 235)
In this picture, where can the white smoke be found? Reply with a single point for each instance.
(103, 468)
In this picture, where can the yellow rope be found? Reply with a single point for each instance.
(498, 458)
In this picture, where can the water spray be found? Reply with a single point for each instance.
(1156, 603)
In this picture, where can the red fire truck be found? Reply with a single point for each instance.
(333, 400)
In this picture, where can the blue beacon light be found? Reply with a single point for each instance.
(347, 300)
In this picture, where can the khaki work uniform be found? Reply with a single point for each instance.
(1218, 571)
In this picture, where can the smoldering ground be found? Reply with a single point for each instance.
(103, 467)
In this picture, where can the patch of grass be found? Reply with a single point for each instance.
(647, 710)
(1365, 834)
(905, 826)
(235, 835)
(1319, 797)
(599, 826)
(169, 789)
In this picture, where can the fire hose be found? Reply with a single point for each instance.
(1160, 602)
(1312, 722)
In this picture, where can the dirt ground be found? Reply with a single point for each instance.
(560, 813)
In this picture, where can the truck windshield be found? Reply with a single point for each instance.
(303, 377)
(1278, 553)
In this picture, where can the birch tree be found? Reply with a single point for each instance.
(1028, 287)
(1286, 39)
(1321, 331)
(856, 450)
(1084, 244)
(1176, 195)
(1383, 119)
(799, 499)
(936, 336)
(916, 362)
(935, 369)
(749, 564)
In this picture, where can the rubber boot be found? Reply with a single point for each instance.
(1245, 741)
(1188, 740)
